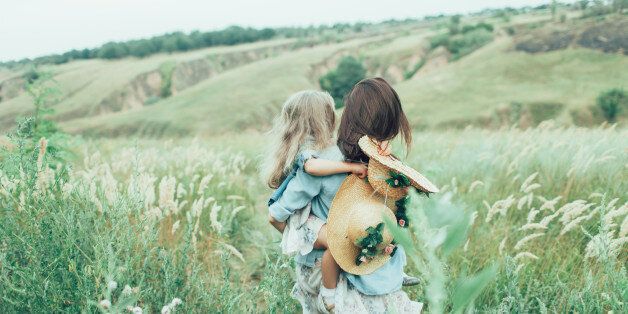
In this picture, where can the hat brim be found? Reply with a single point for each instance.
(344, 251)
(417, 180)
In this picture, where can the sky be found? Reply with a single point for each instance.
(31, 28)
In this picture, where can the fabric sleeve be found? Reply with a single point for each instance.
(303, 157)
(298, 193)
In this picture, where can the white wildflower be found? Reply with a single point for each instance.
(525, 255)
(169, 308)
(599, 245)
(522, 201)
(526, 182)
(475, 184)
(181, 192)
(572, 224)
(549, 204)
(502, 246)
(500, 207)
(237, 210)
(167, 195)
(234, 251)
(596, 195)
(532, 225)
(105, 304)
(235, 198)
(573, 210)
(213, 218)
(127, 290)
(112, 285)
(204, 183)
(531, 188)
(175, 226)
(532, 214)
(612, 214)
(526, 239)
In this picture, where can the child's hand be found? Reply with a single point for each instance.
(384, 148)
(360, 170)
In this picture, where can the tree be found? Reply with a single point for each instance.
(340, 81)
(613, 102)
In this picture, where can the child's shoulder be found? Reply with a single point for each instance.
(330, 153)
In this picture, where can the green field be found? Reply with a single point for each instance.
(246, 84)
(187, 219)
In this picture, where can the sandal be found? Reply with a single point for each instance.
(410, 281)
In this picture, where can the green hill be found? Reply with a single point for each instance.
(226, 89)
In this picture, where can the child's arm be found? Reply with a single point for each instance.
(321, 167)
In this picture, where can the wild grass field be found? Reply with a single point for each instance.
(143, 223)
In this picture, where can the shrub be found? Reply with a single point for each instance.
(166, 70)
(410, 73)
(340, 81)
(464, 44)
(541, 111)
(613, 102)
(439, 40)
(587, 116)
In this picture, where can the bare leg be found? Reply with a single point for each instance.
(330, 270)
(329, 267)
(280, 226)
(321, 240)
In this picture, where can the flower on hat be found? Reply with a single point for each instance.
(398, 180)
(389, 249)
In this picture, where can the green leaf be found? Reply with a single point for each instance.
(468, 289)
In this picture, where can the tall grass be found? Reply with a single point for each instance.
(181, 226)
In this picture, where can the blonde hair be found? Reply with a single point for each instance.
(307, 121)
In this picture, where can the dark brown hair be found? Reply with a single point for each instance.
(371, 108)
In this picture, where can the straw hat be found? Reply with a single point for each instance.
(355, 208)
(389, 176)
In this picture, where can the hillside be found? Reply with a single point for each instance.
(223, 89)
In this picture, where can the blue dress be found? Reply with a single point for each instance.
(299, 189)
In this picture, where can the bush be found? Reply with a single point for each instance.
(410, 73)
(340, 81)
(612, 103)
(464, 44)
(439, 40)
(541, 111)
(587, 116)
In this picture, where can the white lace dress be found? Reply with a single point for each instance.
(348, 299)
(301, 231)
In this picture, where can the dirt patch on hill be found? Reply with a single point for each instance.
(11, 88)
(436, 59)
(608, 36)
(149, 87)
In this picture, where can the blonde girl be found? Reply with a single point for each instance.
(303, 155)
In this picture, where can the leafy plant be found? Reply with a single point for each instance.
(441, 227)
(613, 102)
(340, 81)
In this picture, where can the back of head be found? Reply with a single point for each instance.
(307, 120)
(372, 108)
